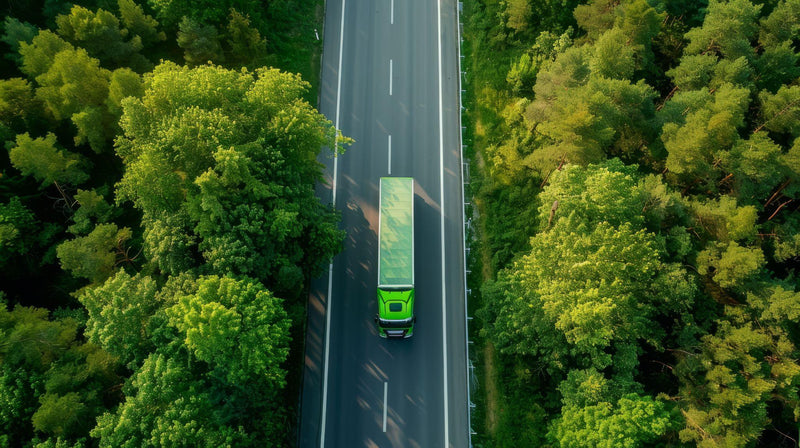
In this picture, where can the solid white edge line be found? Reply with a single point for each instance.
(385, 405)
(441, 205)
(390, 77)
(330, 266)
(390, 154)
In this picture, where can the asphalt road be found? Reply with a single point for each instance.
(396, 95)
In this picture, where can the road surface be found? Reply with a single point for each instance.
(390, 81)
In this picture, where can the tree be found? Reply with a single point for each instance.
(781, 111)
(214, 12)
(50, 383)
(731, 266)
(222, 165)
(589, 289)
(727, 30)
(596, 16)
(709, 128)
(38, 56)
(99, 33)
(121, 312)
(633, 421)
(19, 108)
(778, 65)
(613, 58)
(727, 387)
(166, 404)
(201, 43)
(123, 83)
(18, 228)
(246, 46)
(755, 166)
(724, 220)
(694, 71)
(140, 24)
(17, 32)
(588, 120)
(92, 210)
(237, 327)
(48, 164)
(77, 385)
(94, 256)
(72, 82)
(31, 343)
(522, 74)
(782, 24)
(518, 14)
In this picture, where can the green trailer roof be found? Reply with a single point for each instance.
(396, 233)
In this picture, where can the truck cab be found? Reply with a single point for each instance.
(395, 317)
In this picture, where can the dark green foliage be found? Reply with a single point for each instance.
(19, 108)
(17, 32)
(246, 46)
(50, 382)
(201, 43)
(18, 228)
(702, 97)
(136, 358)
(171, 12)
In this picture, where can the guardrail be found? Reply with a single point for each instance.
(467, 223)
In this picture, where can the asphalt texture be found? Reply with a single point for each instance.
(419, 386)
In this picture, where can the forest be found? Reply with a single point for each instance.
(158, 222)
(636, 175)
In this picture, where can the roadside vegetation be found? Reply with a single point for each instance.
(636, 174)
(158, 223)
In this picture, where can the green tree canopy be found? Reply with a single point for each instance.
(39, 55)
(166, 404)
(140, 24)
(201, 43)
(15, 33)
(121, 312)
(94, 256)
(727, 30)
(48, 164)
(100, 34)
(236, 326)
(588, 291)
(633, 421)
(222, 164)
(18, 227)
(728, 385)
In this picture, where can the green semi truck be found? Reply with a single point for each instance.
(395, 317)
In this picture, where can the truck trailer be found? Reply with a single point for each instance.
(396, 317)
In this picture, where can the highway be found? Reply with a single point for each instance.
(390, 82)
